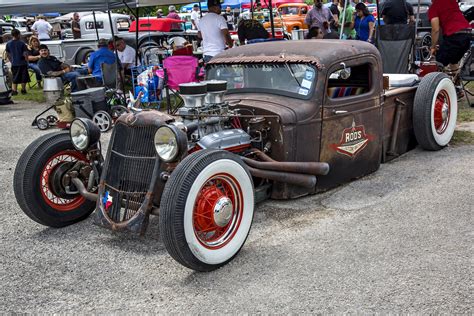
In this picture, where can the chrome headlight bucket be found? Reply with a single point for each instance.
(84, 133)
(170, 143)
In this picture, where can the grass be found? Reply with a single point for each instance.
(462, 138)
(34, 94)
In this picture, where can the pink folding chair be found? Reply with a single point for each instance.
(178, 70)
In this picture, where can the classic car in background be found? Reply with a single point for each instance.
(275, 120)
(292, 16)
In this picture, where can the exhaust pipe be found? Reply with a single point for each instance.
(310, 168)
(303, 180)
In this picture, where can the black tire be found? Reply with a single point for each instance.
(42, 124)
(28, 188)
(435, 111)
(200, 176)
(83, 56)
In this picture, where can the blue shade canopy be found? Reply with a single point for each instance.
(234, 4)
(189, 7)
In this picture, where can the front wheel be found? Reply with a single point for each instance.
(207, 209)
(40, 182)
(435, 111)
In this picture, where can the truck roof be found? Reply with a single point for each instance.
(317, 52)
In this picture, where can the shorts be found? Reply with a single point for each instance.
(452, 48)
(20, 74)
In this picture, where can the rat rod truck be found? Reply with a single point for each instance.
(273, 120)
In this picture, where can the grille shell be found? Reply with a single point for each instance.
(128, 172)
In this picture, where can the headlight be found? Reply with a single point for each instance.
(84, 133)
(170, 143)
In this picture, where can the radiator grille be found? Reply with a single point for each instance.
(129, 171)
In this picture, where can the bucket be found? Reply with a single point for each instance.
(297, 35)
(52, 89)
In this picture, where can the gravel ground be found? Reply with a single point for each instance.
(399, 240)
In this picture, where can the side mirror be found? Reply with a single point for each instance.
(345, 72)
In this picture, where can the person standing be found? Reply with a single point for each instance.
(173, 15)
(364, 23)
(397, 12)
(319, 16)
(159, 13)
(17, 53)
(42, 29)
(229, 18)
(445, 14)
(335, 13)
(195, 16)
(214, 32)
(75, 25)
(348, 30)
(34, 57)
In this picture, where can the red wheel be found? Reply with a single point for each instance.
(441, 112)
(60, 201)
(218, 211)
(40, 182)
(207, 209)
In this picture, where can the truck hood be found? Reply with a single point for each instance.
(290, 110)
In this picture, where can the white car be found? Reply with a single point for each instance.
(20, 24)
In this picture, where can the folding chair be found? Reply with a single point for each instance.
(32, 75)
(178, 70)
(466, 74)
(109, 75)
(396, 40)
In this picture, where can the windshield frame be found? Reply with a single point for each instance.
(265, 90)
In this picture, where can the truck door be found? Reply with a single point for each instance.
(351, 128)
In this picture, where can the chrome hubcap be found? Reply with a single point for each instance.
(223, 211)
(445, 111)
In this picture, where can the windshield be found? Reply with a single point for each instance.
(296, 80)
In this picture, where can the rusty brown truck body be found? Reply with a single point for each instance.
(273, 120)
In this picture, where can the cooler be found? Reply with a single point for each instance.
(89, 101)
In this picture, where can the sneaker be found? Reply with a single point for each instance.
(14, 92)
(23, 92)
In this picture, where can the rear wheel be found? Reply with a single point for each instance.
(207, 209)
(435, 111)
(40, 179)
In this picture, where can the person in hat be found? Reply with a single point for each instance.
(159, 13)
(195, 16)
(51, 66)
(214, 32)
(103, 55)
(173, 15)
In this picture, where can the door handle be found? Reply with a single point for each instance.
(339, 111)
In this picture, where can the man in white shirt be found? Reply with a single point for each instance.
(126, 55)
(195, 16)
(213, 31)
(42, 29)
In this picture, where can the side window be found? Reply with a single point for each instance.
(90, 25)
(123, 25)
(304, 10)
(349, 81)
